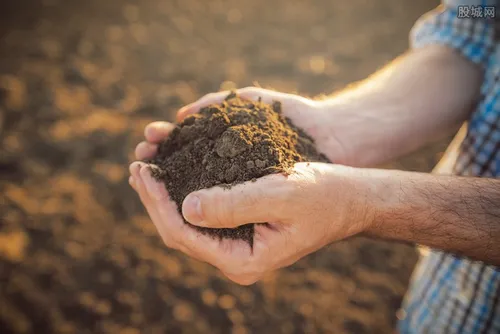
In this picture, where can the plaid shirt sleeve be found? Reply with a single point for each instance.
(455, 25)
(449, 294)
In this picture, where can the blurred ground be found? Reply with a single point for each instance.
(79, 81)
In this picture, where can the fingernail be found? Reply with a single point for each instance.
(192, 210)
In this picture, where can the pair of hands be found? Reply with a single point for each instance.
(312, 207)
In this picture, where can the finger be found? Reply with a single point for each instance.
(212, 98)
(145, 150)
(138, 185)
(156, 132)
(155, 189)
(250, 202)
(150, 191)
(164, 213)
(131, 182)
(134, 170)
(138, 170)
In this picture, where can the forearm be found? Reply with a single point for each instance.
(456, 214)
(419, 98)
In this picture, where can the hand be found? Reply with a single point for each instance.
(313, 206)
(290, 240)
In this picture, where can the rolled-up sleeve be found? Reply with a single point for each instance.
(453, 24)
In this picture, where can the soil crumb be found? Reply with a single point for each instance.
(227, 144)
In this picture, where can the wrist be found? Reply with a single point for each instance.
(353, 192)
(330, 132)
(350, 133)
(393, 203)
(371, 129)
(322, 129)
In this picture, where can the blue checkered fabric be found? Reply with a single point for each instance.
(449, 294)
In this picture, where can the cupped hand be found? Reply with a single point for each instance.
(305, 210)
(313, 206)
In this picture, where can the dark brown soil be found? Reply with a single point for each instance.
(227, 144)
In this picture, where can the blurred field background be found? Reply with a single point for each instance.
(78, 82)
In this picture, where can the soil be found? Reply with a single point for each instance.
(227, 144)
(79, 80)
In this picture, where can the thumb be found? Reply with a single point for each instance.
(260, 201)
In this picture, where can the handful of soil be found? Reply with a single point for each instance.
(223, 145)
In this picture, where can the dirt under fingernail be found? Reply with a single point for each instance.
(227, 144)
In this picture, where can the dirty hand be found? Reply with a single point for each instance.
(305, 210)
(313, 206)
